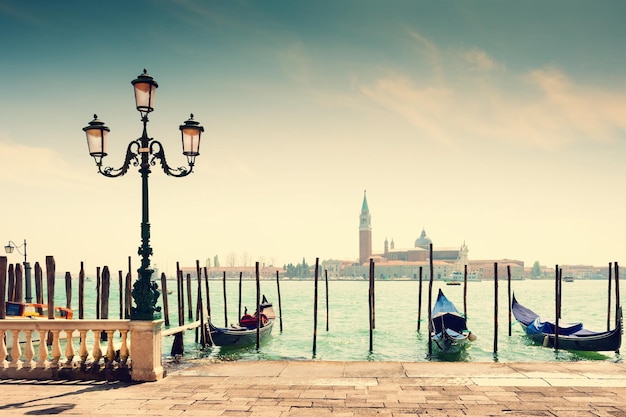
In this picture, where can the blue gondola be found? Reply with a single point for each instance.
(448, 327)
(571, 336)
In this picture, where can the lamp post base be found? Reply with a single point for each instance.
(145, 293)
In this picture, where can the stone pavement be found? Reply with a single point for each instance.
(311, 388)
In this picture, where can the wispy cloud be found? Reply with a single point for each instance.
(295, 62)
(543, 108)
(35, 166)
(13, 12)
(481, 60)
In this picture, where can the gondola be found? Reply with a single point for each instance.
(245, 332)
(571, 336)
(448, 327)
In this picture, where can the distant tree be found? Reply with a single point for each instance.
(246, 258)
(536, 269)
(290, 270)
(231, 259)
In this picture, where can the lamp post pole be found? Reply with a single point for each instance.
(144, 152)
(27, 276)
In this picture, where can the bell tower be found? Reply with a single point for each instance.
(365, 232)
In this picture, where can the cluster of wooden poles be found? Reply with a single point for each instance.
(558, 281)
(372, 310)
(11, 285)
(199, 323)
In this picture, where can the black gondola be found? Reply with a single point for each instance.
(244, 333)
(571, 336)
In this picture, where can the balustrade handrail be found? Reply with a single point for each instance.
(48, 324)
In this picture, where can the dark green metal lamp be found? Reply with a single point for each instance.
(144, 153)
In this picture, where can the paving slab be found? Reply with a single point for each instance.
(317, 388)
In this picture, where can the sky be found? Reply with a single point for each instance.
(501, 125)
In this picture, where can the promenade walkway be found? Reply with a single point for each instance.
(309, 388)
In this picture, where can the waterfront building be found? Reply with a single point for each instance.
(409, 263)
(394, 263)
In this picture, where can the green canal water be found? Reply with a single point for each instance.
(395, 337)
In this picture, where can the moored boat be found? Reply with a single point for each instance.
(570, 336)
(245, 332)
(448, 327)
(458, 277)
(33, 310)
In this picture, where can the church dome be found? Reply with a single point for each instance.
(423, 241)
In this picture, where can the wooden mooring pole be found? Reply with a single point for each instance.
(225, 308)
(200, 308)
(18, 294)
(608, 313)
(104, 291)
(508, 275)
(68, 290)
(430, 303)
(166, 304)
(240, 282)
(465, 292)
(617, 299)
(120, 276)
(38, 283)
(557, 312)
(315, 308)
(208, 295)
(373, 292)
(371, 305)
(11, 283)
(419, 302)
(189, 300)
(129, 291)
(326, 279)
(280, 306)
(50, 271)
(3, 286)
(178, 347)
(98, 293)
(258, 306)
(495, 308)
(81, 291)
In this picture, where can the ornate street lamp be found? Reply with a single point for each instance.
(144, 153)
(9, 249)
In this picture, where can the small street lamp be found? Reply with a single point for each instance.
(9, 249)
(144, 153)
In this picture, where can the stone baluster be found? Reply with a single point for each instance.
(56, 348)
(97, 350)
(82, 351)
(69, 348)
(110, 348)
(16, 350)
(29, 350)
(42, 352)
(124, 348)
(3, 351)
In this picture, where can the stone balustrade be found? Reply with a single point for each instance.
(80, 349)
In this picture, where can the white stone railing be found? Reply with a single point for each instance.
(76, 347)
